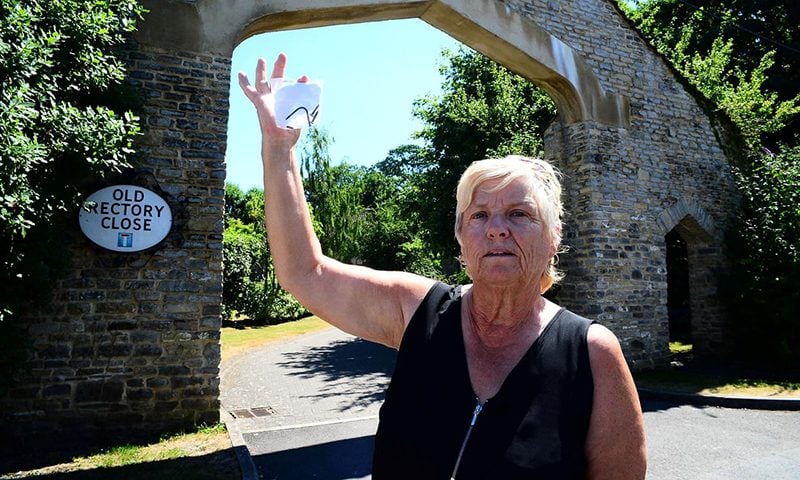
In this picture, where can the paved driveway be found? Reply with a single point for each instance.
(307, 409)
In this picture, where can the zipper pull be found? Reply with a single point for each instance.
(478, 408)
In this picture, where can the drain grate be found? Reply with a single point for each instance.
(253, 412)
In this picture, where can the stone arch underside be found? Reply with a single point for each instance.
(488, 26)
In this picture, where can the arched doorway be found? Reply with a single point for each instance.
(692, 262)
(324, 382)
(678, 297)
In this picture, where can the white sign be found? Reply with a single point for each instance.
(125, 218)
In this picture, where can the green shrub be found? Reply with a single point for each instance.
(62, 123)
(250, 288)
(763, 286)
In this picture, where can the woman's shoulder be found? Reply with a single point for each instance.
(441, 301)
(568, 320)
(566, 314)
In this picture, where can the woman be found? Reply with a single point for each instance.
(492, 380)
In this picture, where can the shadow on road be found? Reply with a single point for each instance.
(338, 460)
(363, 365)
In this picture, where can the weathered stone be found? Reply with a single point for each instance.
(122, 325)
(138, 394)
(99, 391)
(158, 382)
(166, 406)
(172, 370)
(181, 382)
(57, 390)
(115, 350)
(147, 350)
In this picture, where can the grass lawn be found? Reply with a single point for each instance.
(238, 337)
(206, 454)
(720, 380)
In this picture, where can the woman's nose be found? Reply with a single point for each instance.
(497, 227)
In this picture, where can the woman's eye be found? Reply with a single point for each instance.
(518, 213)
(478, 215)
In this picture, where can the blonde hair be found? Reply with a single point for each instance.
(544, 184)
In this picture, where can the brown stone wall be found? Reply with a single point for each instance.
(622, 185)
(131, 341)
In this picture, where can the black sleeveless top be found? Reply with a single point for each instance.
(534, 428)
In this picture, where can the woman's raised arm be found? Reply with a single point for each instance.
(371, 304)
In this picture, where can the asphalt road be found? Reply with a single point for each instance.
(307, 409)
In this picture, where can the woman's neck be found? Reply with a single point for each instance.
(498, 318)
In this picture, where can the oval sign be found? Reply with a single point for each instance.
(125, 218)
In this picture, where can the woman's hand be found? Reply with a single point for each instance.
(263, 98)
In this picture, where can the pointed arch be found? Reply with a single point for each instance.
(688, 218)
(488, 26)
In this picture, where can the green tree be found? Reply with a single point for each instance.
(234, 203)
(333, 194)
(250, 287)
(392, 233)
(484, 111)
(62, 121)
(740, 94)
(764, 244)
(753, 30)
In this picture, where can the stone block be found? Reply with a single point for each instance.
(57, 390)
(167, 406)
(115, 350)
(139, 394)
(147, 350)
(173, 370)
(115, 307)
(99, 391)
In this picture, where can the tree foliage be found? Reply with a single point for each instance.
(753, 30)
(393, 234)
(250, 287)
(62, 120)
(333, 193)
(484, 111)
(764, 244)
(740, 94)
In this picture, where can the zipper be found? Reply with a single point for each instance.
(478, 409)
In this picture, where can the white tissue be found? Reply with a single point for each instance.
(297, 105)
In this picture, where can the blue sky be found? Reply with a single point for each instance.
(372, 73)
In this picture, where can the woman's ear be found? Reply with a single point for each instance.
(556, 240)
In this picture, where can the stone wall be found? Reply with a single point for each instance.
(626, 188)
(131, 341)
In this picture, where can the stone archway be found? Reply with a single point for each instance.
(490, 27)
(691, 229)
(132, 341)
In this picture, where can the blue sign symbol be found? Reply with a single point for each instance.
(125, 240)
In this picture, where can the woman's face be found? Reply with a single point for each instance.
(503, 240)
